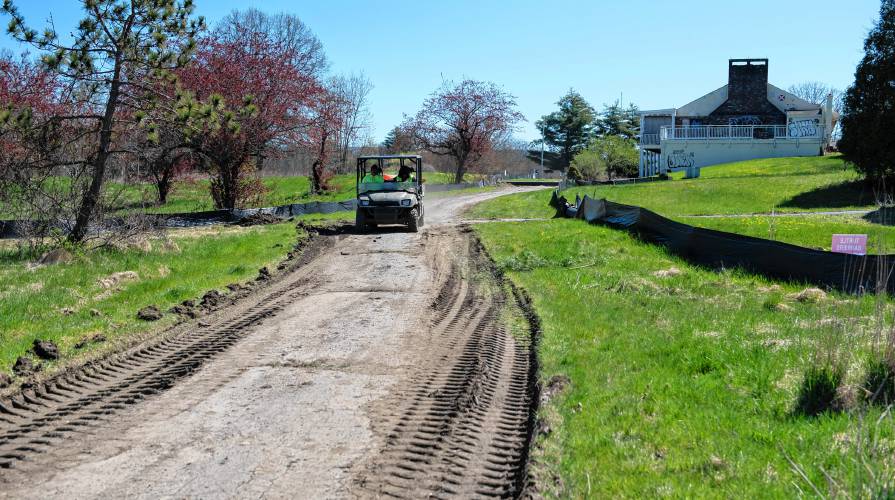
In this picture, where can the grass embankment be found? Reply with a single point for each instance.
(66, 302)
(755, 186)
(193, 196)
(685, 384)
(782, 185)
(681, 385)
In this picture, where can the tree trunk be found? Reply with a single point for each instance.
(91, 197)
(317, 168)
(316, 177)
(461, 171)
(163, 185)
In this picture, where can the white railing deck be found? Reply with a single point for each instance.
(740, 132)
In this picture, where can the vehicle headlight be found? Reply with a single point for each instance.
(365, 202)
(405, 202)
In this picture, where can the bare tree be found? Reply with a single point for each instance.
(352, 93)
(817, 92)
(464, 121)
(286, 32)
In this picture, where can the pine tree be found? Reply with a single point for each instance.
(618, 121)
(568, 130)
(868, 120)
(119, 48)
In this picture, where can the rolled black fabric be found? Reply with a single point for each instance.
(719, 249)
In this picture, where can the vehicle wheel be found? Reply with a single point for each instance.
(414, 223)
(360, 222)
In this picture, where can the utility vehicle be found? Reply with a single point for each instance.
(389, 191)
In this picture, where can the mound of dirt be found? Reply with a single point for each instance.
(212, 298)
(95, 339)
(150, 313)
(183, 310)
(45, 349)
(24, 367)
(114, 279)
(555, 386)
(263, 274)
(258, 219)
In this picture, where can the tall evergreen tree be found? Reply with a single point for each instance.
(868, 120)
(568, 130)
(618, 121)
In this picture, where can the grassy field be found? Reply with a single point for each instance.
(782, 185)
(66, 302)
(684, 380)
(682, 385)
(193, 196)
(754, 186)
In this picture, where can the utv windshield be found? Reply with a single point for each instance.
(388, 174)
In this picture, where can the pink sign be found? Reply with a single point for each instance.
(855, 244)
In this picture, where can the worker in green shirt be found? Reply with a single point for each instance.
(375, 175)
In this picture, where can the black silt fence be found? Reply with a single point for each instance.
(719, 249)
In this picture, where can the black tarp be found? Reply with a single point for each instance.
(719, 249)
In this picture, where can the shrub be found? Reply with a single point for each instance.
(819, 390)
(609, 156)
(879, 382)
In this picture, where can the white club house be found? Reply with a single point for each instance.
(745, 119)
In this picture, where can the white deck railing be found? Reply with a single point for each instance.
(740, 132)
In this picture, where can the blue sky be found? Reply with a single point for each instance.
(657, 54)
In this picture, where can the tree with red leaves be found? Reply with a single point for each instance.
(116, 48)
(27, 95)
(464, 121)
(258, 96)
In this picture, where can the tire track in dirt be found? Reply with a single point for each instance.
(449, 414)
(78, 402)
(463, 427)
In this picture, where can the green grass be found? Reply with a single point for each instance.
(193, 196)
(813, 231)
(32, 301)
(531, 204)
(681, 386)
(754, 186)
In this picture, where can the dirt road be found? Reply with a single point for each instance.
(381, 366)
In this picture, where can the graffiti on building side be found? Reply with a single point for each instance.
(744, 120)
(680, 159)
(803, 128)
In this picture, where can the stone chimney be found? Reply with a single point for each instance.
(747, 96)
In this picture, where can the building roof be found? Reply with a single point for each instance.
(781, 99)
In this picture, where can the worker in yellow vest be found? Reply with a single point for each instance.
(375, 175)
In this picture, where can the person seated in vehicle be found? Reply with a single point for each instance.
(405, 174)
(375, 176)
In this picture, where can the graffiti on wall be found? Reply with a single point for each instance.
(680, 159)
(803, 128)
(744, 120)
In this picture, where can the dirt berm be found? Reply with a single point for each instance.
(379, 367)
